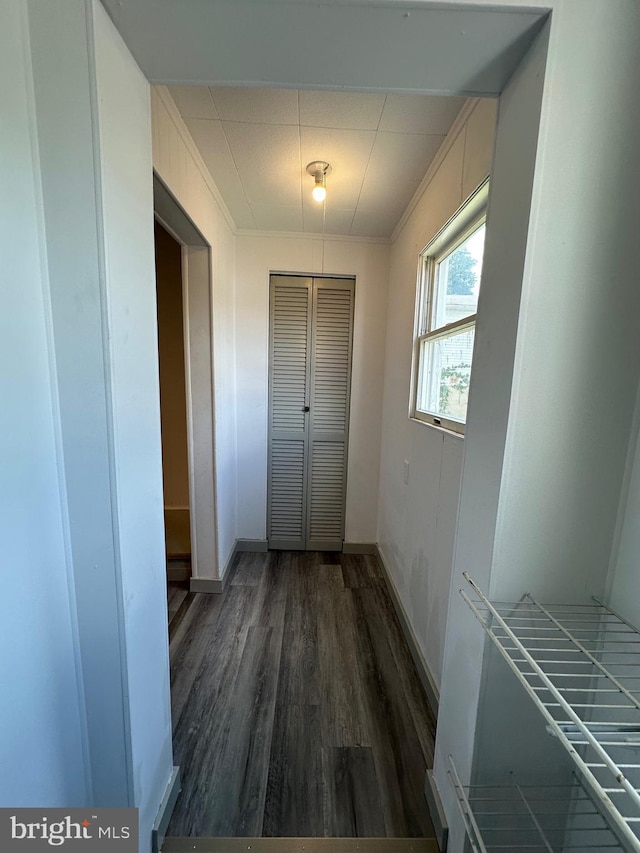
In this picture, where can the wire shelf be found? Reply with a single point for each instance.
(580, 664)
(527, 818)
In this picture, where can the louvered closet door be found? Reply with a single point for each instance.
(289, 369)
(329, 416)
(310, 368)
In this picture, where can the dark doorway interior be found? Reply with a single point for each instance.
(173, 408)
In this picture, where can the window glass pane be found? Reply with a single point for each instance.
(458, 281)
(445, 371)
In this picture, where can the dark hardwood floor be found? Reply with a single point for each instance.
(297, 710)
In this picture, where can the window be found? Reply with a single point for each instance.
(448, 287)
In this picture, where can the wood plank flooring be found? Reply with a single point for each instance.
(297, 710)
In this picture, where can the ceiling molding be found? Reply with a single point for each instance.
(310, 235)
(437, 161)
(170, 105)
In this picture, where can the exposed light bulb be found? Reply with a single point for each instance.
(319, 192)
(318, 170)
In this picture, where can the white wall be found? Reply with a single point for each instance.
(64, 77)
(90, 105)
(256, 258)
(560, 469)
(578, 335)
(507, 225)
(43, 748)
(416, 521)
(124, 123)
(178, 164)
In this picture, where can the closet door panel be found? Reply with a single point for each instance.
(287, 517)
(289, 367)
(326, 510)
(331, 346)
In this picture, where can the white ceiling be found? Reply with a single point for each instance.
(257, 142)
(453, 47)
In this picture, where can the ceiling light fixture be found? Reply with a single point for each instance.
(319, 171)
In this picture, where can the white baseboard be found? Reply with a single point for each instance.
(165, 811)
(438, 819)
(360, 548)
(217, 585)
(251, 545)
(206, 585)
(426, 677)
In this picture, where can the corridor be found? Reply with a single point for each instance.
(297, 710)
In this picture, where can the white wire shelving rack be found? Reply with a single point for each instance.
(527, 819)
(580, 665)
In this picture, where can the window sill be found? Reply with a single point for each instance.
(438, 427)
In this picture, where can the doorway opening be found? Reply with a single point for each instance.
(187, 394)
(173, 404)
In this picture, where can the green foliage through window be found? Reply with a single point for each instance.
(462, 277)
(453, 379)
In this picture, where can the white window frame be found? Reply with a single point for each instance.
(468, 218)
